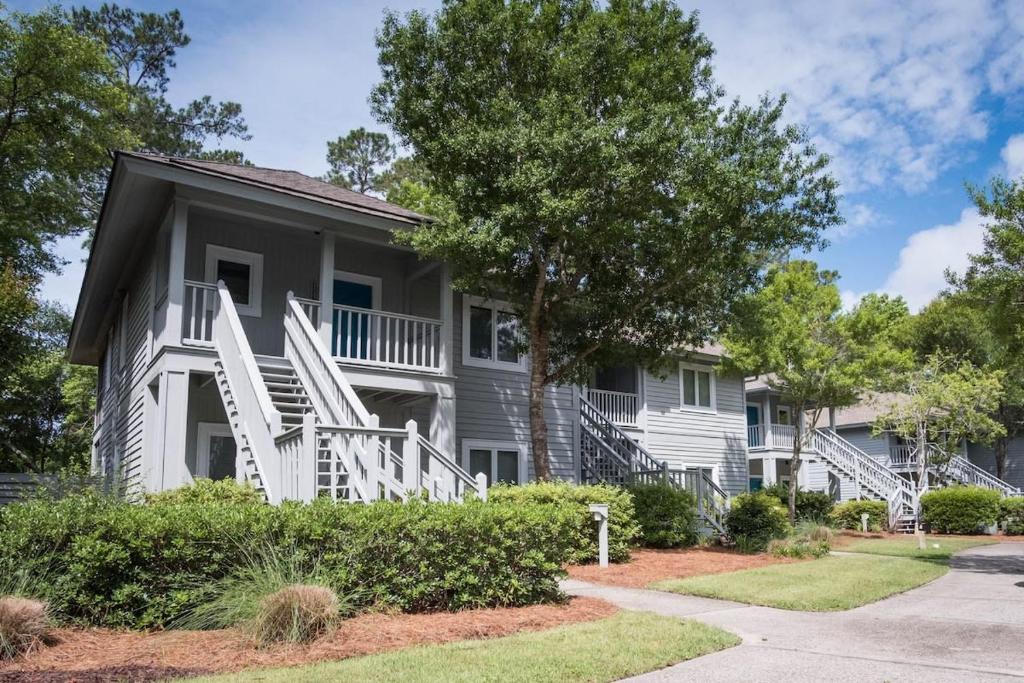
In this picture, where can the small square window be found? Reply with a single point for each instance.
(236, 277)
(242, 274)
(491, 335)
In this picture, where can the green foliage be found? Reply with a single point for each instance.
(1011, 512)
(110, 563)
(847, 515)
(208, 492)
(795, 332)
(798, 548)
(756, 518)
(623, 528)
(357, 159)
(810, 505)
(667, 516)
(599, 130)
(960, 509)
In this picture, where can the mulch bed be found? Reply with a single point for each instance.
(102, 655)
(847, 537)
(648, 566)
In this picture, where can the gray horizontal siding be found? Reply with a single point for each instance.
(875, 446)
(494, 405)
(683, 437)
(984, 457)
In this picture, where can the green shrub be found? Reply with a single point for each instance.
(623, 529)
(208, 492)
(798, 548)
(847, 515)
(1011, 512)
(667, 515)
(110, 563)
(960, 509)
(755, 519)
(810, 505)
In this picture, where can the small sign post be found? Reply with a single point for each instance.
(600, 512)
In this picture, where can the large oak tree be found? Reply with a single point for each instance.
(599, 182)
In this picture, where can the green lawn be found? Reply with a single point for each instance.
(825, 585)
(626, 644)
(937, 547)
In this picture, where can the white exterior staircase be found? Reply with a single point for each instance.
(872, 479)
(611, 456)
(301, 431)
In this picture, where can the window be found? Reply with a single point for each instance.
(785, 417)
(500, 461)
(215, 452)
(490, 335)
(242, 273)
(697, 387)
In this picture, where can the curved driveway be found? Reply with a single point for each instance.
(966, 626)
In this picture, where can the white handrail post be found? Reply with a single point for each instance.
(373, 459)
(307, 465)
(600, 513)
(481, 486)
(411, 459)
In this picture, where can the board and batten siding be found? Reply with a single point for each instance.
(688, 438)
(493, 405)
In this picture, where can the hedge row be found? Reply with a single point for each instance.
(811, 506)
(102, 562)
(1011, 512)
(847, 515)
(960, 509)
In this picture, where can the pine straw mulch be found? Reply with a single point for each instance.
(847, 536)
(102, 655)
(649, 566)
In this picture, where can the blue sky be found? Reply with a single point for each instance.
(910, 99)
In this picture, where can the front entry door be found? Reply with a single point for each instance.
(350, 331)
(754, 419)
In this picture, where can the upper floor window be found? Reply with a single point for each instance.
(242, 273)
(490, 335)
(697, 387)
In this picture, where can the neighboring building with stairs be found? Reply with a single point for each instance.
(260, 324)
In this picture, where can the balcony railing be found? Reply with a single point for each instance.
(782, 436)
(902, 456)
(198, 308)
(367, 337)
(755, 436)
(620, 407)
(778, 437)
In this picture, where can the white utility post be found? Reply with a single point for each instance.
(481, 486)
(864, 521)
(600, 512)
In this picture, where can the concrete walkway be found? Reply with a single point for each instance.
(967, 625)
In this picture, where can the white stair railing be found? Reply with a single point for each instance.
(259, 419)
(966, 472)
(867, 472)
(367, 452)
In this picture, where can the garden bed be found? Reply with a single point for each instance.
(649, 566)
(100, 655)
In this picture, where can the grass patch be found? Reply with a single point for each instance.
(937, 547)
(626, 644)
(826, 585)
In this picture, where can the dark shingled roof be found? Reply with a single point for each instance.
(291, 182)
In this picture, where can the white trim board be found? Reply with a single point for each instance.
(216, 252)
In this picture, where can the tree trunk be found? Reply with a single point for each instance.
(1000, 447)
(539, 346)
(794, 469)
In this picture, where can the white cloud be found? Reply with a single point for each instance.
(859, 218)
(920, 272)
(891, 90)
(1013, 156)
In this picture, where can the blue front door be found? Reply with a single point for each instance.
(753, 420)
(350, 331)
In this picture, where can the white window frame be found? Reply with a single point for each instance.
(216, 252)
(495, 446)
(373, 282)
(697, 367)
(206, 431)
(779, 409)
(493, 363)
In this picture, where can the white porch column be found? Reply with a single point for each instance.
(174, 427)
(176, 273)
(768, 470)
(766, 418)
(442, 425)
(326, 286)
(447, 321)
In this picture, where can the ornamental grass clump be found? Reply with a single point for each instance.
(23, 625)
(295, 614)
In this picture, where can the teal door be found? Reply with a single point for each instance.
(350, 331)
(753, 420)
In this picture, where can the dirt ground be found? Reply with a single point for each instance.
(101, 655)
(648, 566)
